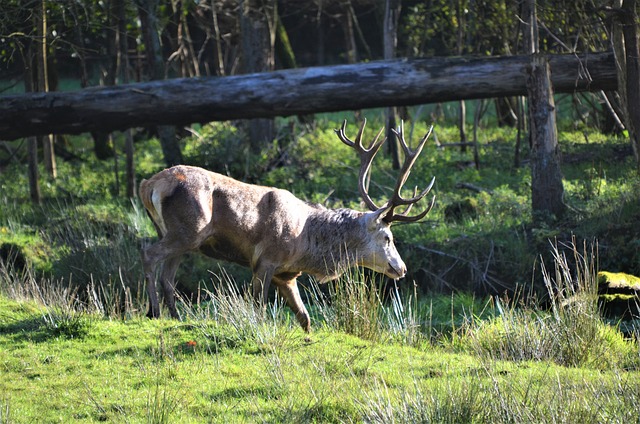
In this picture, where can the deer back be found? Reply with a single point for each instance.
(224, 218)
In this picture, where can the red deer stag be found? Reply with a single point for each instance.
(270, 230)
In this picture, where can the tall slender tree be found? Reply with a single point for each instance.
(257, 28)
(547, 191)
(43, 83)
(148, 14)
(627, 48)
(392, 10)
(122, 71)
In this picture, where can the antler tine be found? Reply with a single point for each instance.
(366, 158)
(410, 156)
(409, 161)
(404, 218)
(342, 136)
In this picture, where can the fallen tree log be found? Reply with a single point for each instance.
(400, 82)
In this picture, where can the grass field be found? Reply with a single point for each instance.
(63, 359)
(497, 322)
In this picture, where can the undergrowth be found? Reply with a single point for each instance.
(566, 327)
(85, 230)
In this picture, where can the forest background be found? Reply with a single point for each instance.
(501, 317)
(485, 237)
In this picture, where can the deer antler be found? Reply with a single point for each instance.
(366, 158)
(397, 200)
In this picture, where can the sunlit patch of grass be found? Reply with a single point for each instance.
(572, 333)
(229, 360)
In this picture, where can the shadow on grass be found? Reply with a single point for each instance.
(45, 327)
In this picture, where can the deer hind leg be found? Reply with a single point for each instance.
(289, 290)
(150, 263)
(167, 277)
(152, 257)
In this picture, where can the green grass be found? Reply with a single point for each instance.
(68, 357)
(227, 362)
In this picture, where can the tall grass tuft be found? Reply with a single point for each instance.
(442, 402)
(569, 331)
(64, 315)
(353, 304)
(5, 412)
(491, 394)
(228, 316)
(161, 403)
(404, 318)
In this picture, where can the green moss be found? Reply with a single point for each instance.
(616, 297)
(25, 250)
(618, 280)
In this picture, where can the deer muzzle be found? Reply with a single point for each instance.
(396, 271)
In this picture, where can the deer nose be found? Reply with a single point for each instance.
(397, 270)
(403, 271)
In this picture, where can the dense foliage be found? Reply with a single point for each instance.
(196, 36)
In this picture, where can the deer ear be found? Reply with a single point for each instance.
(377, 217)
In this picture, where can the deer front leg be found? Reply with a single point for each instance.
(289, 290)
(260, 282)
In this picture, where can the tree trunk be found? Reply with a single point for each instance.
(629, 19)
(34, 184)
(29, 58)
(283, 49)
(462, 115)
(320, 53)
(122, 68)
(390, 41)
(462, 118)
(401, 82)
(101, 145)
(480, 110)
(43, 85)
(80, 48)
(349, 34)
(257, 35)
(130, 170)
(218, 40)
(505, 111)
(521, 129)
(147, 10)
(547, 191)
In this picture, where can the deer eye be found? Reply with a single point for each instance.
(387, 240)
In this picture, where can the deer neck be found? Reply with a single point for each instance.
(333, 238)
